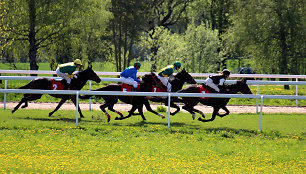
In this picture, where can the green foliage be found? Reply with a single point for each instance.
(184, 48)
(32, 142)
(161, 109)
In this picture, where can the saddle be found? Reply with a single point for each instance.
(59, 84)
(128, 88)
(205, 89)
(156, 89)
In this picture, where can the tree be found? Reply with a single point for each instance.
(270, 33)
(39, 22)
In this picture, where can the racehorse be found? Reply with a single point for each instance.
(177, 84)
(216, 103)
(46, 84)
(137, 102)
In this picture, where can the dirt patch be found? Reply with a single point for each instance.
(126, 107)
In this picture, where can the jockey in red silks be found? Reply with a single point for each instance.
(128, 76)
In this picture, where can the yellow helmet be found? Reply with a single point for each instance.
(77, 62)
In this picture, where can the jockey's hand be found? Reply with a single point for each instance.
(69, 76)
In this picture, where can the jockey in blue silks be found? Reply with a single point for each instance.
(128, 76)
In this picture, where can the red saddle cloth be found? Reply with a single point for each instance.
(56, 85)
(156, 89)
(203, 90)
(128, 88)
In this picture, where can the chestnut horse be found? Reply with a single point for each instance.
(137, 102)
(45, 84)
(216, 103)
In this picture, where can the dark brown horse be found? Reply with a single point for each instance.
(216, 103)
(137, 102)
(45, 84)
(177, 84)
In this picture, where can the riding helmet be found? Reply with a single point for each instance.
(226, 72)
(77, 62)
(177, 64)
(137, 64)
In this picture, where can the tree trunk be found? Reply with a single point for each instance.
(32, 37)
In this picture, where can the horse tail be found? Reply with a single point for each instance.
(105, 88)
(27, 86)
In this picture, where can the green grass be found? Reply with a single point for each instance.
(32, 142)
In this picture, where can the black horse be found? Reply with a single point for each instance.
(216, 103)
(177, 84)
(46, 84)
(137, 102)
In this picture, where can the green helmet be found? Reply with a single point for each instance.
(177, 64)
(137, 64)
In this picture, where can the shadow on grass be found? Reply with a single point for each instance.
(57, 119)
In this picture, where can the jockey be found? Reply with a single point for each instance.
(217, 80)
(128, 76)
(167, 72)
(68, 68)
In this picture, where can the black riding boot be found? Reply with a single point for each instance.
(134, 89)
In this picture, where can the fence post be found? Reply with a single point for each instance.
(90, 97)
(261, 103)
(296, 92)
(77, 109)
(169, 98)
(257, 99)
(4, 101)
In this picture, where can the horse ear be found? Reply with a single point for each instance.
(244, 80)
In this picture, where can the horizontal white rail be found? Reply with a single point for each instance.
(165, 94)
(249, 82)
(160, 94)
(143, 73)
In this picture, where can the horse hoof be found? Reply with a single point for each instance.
(116, 118)
(108, 119)
(193, 117)
(199, 119)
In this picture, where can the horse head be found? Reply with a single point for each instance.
(241, 86)
(185, 77)
(89, 74)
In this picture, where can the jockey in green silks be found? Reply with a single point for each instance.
(167, 72)
(68, 68)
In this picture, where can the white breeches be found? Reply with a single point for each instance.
(209, 82)
(165, 81)
(63, 75)
(129, 81)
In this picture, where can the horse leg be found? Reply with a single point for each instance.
(23, 100)
(172, 105)
(148, 107)
(102, 107)
(200, 112)
(226, 110)
(131, 112)
(140, 110)
(215, 112)
(190, 109)
(73, 99)
(58, 106)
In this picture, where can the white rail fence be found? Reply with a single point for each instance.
(249, 82)
(164, 94)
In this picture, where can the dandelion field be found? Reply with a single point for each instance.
(32, 142)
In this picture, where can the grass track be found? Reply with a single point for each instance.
(30, 141)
